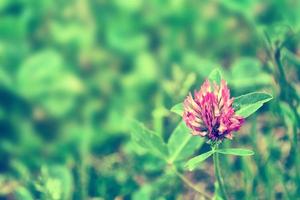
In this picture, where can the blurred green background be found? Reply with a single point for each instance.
(73, 73)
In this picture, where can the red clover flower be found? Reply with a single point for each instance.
(210, 113)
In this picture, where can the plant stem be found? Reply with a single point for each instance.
(289, 95)
(190, 184)
(218, 174)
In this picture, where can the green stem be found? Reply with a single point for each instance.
(289, 95)
(190, 184)
(218, 174)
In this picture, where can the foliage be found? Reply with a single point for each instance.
(73, 75)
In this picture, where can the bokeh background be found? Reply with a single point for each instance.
(74, 73)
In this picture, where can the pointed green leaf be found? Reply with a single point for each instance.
(216, 76)
(252, 98)
(236, 152)
(178, 109)
(247, 104)
(194, 162)
(246, 111)
(149, 140)
(182, 144)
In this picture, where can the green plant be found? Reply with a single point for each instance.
(182, 145)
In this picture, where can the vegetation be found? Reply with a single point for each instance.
(77, 77)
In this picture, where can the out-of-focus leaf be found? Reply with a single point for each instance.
(247, 104)
(194, 162)
(61, 176)
(279, 33)
(143, 193)
(44, 80)
(71, 34)
(22, 194)
(130, 7)
(288, 114)
(182, 144)
(178, 109)
(131, 42)
(291, 57)
(145, 66)
(239, 6)
(46, 72)
(56, 182)
(5, 79)
(148, 140)
(236, 152)
(247, 72)
(215, 76)
(201, 66)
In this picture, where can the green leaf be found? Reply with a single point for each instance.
(144, 192)
(22, 193)
(291, 57)
(5, 78)
(252, 98)
(194, 162)
(247, 104)
(236, 152)
(44, 80)
(288, 114)
(247, 72)
(178, 109)
(149, 140)
(215, 76)
(248, 110)
(182, 144)
(60, 177)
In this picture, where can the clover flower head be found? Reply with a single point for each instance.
(210, 113)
